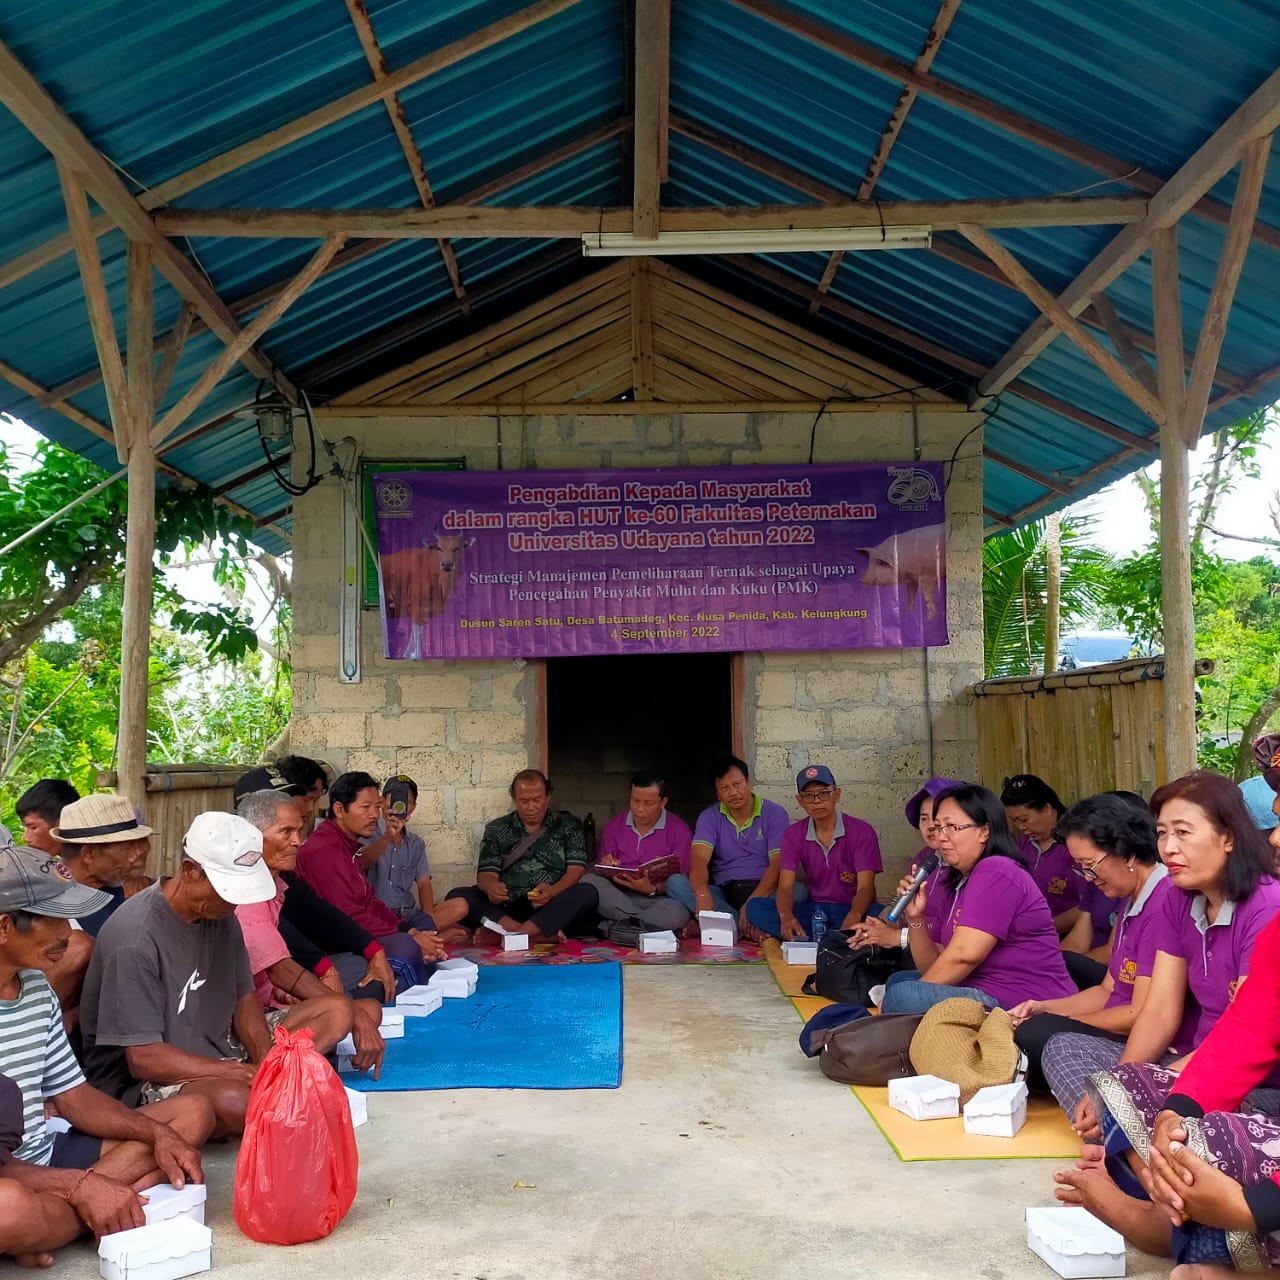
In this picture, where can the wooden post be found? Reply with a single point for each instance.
(1053, 590)
(1175, 533)
(135, 639)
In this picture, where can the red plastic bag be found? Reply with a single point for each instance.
(298, 1166)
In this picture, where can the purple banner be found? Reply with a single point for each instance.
(485, 564)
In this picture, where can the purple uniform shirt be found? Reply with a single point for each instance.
(1217, 954)
(1001, 899)
(939, 896)
(1137, 931)
(1052, 871)
(831, 874)
(741, 853)
(1103, 912)
(621, 845)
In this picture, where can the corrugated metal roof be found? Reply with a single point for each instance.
(160, 86)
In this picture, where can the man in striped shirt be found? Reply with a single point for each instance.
(57, 1185)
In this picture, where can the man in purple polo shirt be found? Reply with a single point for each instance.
(647, 834)
(735, 850)
(838, 854)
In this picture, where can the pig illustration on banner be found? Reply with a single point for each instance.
(914, 557)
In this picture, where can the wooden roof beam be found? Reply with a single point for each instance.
(1133, 387)
(897, 118)
(1257, 117)
(652, 79)
(359, 13)
(973, 104)
(31, 103)
(569, 222)
(354, 253)
(302, 127)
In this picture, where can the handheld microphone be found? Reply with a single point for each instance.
(928, 865)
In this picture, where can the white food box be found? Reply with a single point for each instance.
(800, 953)
(391, 1026)
(998, 1111)
(419, 1002)
(453, 989)
(345, 1066)
(167, 1201)
(163, 1251)
(1074, 1243)
(719, 928)
(661, 942)
(515, 942)
(925, 1097)
(359, 1105)
(458, 966)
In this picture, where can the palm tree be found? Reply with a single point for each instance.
(1015, 591)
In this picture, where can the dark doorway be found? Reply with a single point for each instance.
(608, 718)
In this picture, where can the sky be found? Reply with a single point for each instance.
(1120, 524)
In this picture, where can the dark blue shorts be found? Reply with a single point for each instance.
(75, 1150)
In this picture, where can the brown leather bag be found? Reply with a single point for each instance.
(870, 1051)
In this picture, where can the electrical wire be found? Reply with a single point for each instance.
(313, 477)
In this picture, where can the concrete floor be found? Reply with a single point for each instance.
(724, 1154)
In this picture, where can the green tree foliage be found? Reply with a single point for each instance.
(1014, 589)
(52, 570)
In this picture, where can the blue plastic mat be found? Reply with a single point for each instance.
(536, 1027)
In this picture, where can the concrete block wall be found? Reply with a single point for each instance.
(460, 729)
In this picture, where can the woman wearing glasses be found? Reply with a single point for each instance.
(1112, 843)
(998, 944)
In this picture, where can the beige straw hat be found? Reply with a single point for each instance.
(958, 1040)
(99, 819)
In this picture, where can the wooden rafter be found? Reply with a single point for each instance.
(1131, 386)
(1122, 339)
(897, 118)
(99, 306)
(359, 13)
(641, 330)
(73, 413)
(302, 127)
(981, 108)
(171, 352)
(569, 222)
(221, 364)
(1257, 117)
(31, 103)
(652, 42)
(1244, 208)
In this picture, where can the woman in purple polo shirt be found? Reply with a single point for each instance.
(1033, 809)
(1113, 845)
(1203, 935)
(937, 891)
(998, 945)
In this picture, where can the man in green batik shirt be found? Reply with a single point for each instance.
(531, 862)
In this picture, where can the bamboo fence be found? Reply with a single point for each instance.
(1096, 729)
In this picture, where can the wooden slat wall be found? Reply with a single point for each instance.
(1082, 738)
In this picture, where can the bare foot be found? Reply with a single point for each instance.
(33, 1259)
(1139, 1221)
(486, 938)
(1093, 1156)
(692, 930)
(1200, 1271)
(455, 935)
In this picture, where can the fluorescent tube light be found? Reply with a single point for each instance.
(622, 244)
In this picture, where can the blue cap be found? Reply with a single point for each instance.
(814, 773)
(1258, 799)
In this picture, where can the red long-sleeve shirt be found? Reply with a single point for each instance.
(1236, 1056)
(327, 862)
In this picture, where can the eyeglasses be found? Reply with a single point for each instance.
(826, 793)
(949, 829)
(1089, 870)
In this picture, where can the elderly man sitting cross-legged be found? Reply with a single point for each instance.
(531, 862)
(292, 963)
(57, 1186)
(169, 1006)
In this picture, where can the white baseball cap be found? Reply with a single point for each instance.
(229, 850)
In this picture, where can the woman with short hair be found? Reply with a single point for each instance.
(1033, 809)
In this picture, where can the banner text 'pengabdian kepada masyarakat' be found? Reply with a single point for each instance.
(530, 564)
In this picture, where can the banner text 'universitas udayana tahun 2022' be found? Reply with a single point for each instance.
(528, 564)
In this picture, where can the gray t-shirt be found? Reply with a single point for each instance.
(154, 978)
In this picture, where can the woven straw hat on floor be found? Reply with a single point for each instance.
(958, 1040)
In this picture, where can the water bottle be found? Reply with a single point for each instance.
(819, 926)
